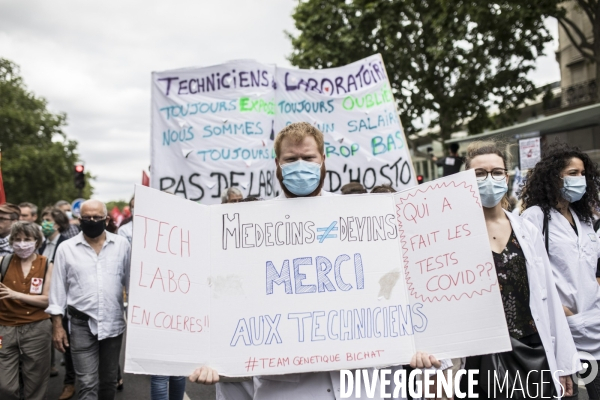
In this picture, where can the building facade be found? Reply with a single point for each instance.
(565, 112)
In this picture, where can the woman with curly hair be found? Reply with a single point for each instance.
(560, 197)
(540, 338)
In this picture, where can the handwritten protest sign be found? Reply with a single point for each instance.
(308, 274)
(448, 263)
(214, 127)
(169, 299)
(313, 284)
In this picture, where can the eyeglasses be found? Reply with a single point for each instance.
(93, 218)
(6, 219)
(497, 174)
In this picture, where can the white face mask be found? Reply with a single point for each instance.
(573, 188)
(69, 214)
(24, 249)
(492, 191)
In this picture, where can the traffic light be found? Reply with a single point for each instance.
(79, 176)
(419, 179)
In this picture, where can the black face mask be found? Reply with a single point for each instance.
(92, 229)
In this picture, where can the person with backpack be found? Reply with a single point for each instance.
(25, 328)
(559, 198)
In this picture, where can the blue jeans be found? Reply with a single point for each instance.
(167, 387)
(96, 362)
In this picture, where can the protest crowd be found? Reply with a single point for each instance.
(65, 278)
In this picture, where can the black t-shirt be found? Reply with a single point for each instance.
(511, 268)
(451, 164)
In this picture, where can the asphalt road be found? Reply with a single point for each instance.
(135, 387)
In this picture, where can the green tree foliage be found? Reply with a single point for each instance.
(453, 59)
(37, 157)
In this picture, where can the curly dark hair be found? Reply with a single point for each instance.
(543, 187)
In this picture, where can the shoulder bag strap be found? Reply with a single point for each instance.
(4, 265)
(545, 230)
(46, 270)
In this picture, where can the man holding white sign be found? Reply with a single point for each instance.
(300, 161)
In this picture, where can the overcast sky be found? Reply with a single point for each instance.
(93, 61)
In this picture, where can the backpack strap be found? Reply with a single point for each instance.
(4, 265)
(46, 270)
(545, 231)
(596, 225)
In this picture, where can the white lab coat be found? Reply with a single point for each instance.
(574, 260)
(544, 301)
(235, 390)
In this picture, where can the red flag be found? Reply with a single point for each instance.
(2, 192)
(116, 215)
(145, 179)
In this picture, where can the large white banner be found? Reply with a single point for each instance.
(311, 284)
(214, 127)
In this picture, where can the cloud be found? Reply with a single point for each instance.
(93, 60)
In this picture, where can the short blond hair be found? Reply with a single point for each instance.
(297, 132)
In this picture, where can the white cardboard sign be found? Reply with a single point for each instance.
(214, 127)
(314, 284)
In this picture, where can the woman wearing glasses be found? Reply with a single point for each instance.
(539, 334)
(560, 196)
(25, 329)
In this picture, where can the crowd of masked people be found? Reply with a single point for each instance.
(62, 285)
(547, 259)
(64, 282)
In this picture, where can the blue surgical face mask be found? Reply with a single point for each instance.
(301, 177)
(492, 191)
(573, 188)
